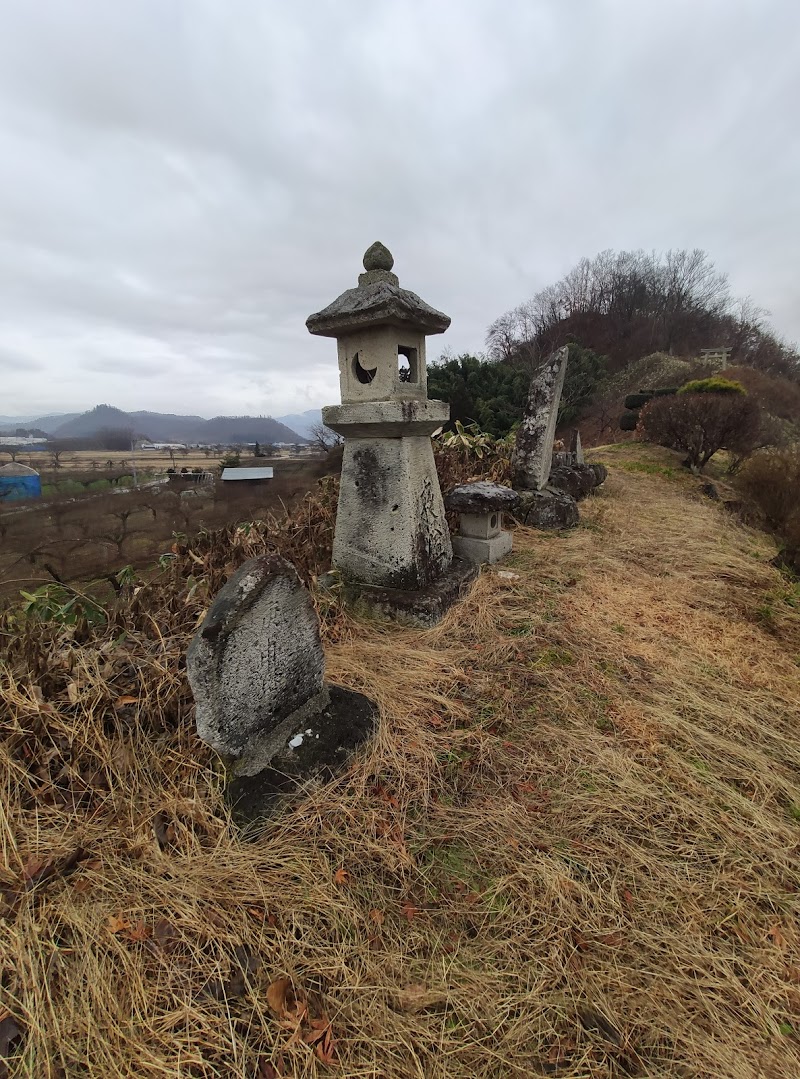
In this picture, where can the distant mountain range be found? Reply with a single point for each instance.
(302, 422)
(164, 427)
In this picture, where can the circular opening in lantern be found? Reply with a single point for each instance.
(364, 375)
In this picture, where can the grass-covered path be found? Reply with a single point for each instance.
(571, 850)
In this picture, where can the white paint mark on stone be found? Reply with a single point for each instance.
(248, 583)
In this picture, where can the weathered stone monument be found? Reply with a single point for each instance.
(570, 457)
(576, 448)
(392, 544)
(550, 483)
(256, 669)
(532, 460)
(480, 505)
(533, 453)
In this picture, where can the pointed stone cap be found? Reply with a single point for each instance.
(378, 301)
(378, 257)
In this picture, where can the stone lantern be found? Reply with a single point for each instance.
(481, 537)
(391, 532)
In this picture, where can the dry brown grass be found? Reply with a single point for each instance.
(575, 833)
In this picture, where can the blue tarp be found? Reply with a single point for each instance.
(16, 487)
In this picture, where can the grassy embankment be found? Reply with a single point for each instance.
(571, 850)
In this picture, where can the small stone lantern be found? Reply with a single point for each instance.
(391, 530)
(481, 537)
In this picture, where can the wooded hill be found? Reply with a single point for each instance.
(627, 304)
(632, 320)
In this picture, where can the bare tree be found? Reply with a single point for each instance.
(630, 303)
(323, 438)
(515, 336)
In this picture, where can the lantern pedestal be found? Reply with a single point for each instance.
(391, 530)
(418, 606)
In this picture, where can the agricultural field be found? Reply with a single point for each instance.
(73, 470)
(92, 523)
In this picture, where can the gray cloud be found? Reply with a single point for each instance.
(184, 183)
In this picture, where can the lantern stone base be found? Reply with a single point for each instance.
(419, 606)
(473, 549)
(391, 530)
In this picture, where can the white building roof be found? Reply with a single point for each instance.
(247, 473)
(16, 468)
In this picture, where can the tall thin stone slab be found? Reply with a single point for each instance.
(576, 448)
(256, 668)
(533, 453)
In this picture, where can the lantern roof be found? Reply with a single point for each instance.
(377, 300)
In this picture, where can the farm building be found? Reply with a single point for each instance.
(18, 481)
(246, 477)
(187, 478)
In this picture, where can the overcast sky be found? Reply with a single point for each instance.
(182, 182)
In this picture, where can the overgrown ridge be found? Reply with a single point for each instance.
(572, 849)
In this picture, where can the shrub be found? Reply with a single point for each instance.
(468, 454)
(771, 479)
(628, 421)
(702, 423)
(713, 385)
(777, 395)
(636, 400)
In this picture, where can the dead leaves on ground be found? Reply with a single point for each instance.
(293, 1011)
(116, 924)
(776, 936)
(244, 969)
(410, 912)
(10, 1033)
(267, 1070)
(38, 873)
(417, 998)
(163, 935)
(164, 830)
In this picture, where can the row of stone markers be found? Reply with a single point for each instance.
(256, 665)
